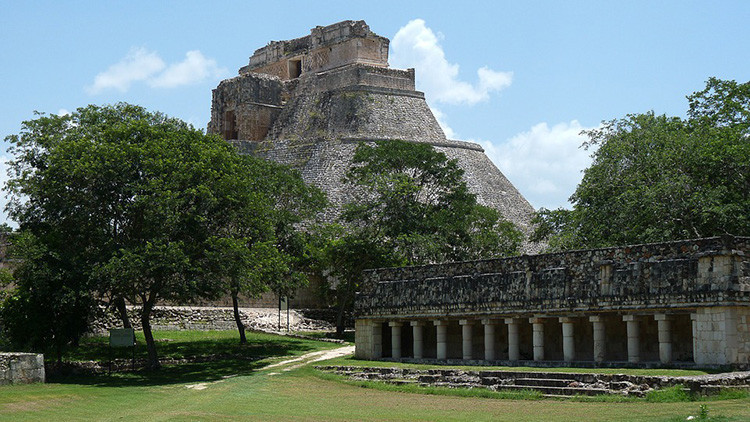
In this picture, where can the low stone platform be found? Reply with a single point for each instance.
(201, 318)
(553, 384)
(21, 368)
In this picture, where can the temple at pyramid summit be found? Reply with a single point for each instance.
(309, 101)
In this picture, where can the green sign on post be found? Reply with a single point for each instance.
(122, 337)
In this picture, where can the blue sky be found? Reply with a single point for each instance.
(521, 78)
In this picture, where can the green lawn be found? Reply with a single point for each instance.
(238, 389)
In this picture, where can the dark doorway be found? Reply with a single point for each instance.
(295, 68)
(230, 125)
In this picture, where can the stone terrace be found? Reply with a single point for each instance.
(685, 301)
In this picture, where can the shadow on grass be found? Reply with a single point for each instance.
(168, 374)
(219, 358)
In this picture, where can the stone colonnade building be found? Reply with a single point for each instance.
(679, 303)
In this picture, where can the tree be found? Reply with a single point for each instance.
(657, 178)
(125, 203)
(411, 206)
(51, 304)
(263, 245)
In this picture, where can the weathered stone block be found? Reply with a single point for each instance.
(21, 368)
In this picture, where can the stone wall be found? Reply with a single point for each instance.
(721, 335)
(245, 107)
(21, 368)
(197, 318)
(675, 275)
(326, 47)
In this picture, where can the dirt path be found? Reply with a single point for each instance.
(289, 364)
(311, 357)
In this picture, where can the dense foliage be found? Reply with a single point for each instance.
(657, 178)
(119, 203)
(411, 206)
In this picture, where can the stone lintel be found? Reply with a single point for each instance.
(395, 323)
(466, 322)
(566, 320)
(536, 320)
(512, 320)
(662, 317)
(628, 318)
(596, 318)
(440, 322)
(418, 323)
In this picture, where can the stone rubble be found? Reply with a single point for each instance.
(548, 383)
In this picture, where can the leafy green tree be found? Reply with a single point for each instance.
(263, 245)
(412, 199)
(657, 178)
(125, 203)
(411, 206)
(296, 209)
(51, 304)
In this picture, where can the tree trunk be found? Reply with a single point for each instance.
(58, 352)
(237, 319)
(153, 359)
(341, 315)
(122, 310)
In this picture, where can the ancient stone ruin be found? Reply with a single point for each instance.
(21, 368)
(682, 303)
(309, 101)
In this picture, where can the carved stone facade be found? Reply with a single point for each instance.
(684, 303)
(309, 101)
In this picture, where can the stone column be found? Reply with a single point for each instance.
(698, 357)
(442, 338)
(514, 349)
(538, 337)
(665, 337)
(634, 342)
(396, 339)
(489, 339)
(377, 338)
(600, 342)
(569, 345)
(467, 338)
(418, 331)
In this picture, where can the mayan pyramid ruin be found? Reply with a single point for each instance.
(309, 101)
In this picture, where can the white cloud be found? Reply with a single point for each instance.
(138, 65)
(415, 45)
(63, 112)
(441, 119)
(544, 163)
(141, 65)
(195, 68)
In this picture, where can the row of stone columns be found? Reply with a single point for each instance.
(568, 338)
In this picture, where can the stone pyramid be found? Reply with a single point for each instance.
(309, 101)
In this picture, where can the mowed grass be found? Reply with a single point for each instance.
(240, 389)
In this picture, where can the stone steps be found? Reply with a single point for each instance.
(716, 389)
(543, 382)
(553, 384)
(553, 391)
